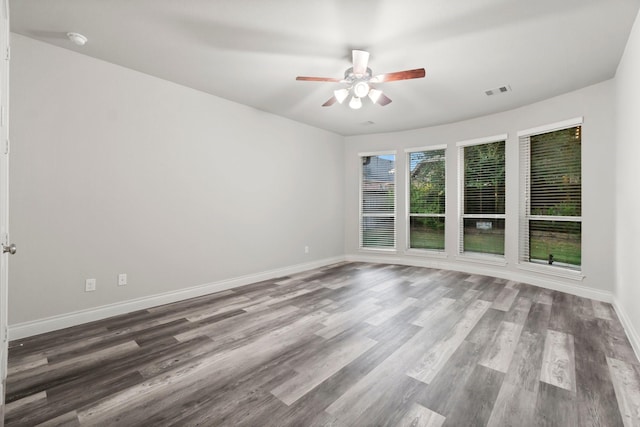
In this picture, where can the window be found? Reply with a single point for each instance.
(482, 195)
(551, 180)
(378, 201)
(427, 198)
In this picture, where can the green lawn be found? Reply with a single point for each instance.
(562, 239)
(488, 243)
(427, 239)
(564, 250)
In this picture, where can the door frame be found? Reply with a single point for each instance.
(4, 197)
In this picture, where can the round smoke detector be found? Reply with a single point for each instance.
(77, 38)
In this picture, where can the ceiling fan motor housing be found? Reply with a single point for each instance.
(361, 89)
(358, 84)
(350, 76)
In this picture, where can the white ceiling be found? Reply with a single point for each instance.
(250, 51)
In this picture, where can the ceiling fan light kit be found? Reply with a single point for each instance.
(361, 89)
(355, 103)
(359, 79)
(341, 95)
(374, 95)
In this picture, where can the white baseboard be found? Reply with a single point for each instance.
(35, 327)
(53, 323)
(522, 276)
(632, 333)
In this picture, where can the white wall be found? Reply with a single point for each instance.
(114, 171)
(627, 89)
(594, 103)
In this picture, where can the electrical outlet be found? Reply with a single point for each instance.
(90, 285)
(122, 279)
(306, 249)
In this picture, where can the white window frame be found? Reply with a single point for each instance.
(525, 212)
(409, 249)
(486, 258)
(394, 215)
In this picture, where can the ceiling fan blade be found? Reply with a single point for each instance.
(330, 102)
(383, 100)
(318, 79)
(360, 62)
(399, 75)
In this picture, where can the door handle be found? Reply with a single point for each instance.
(12, 249)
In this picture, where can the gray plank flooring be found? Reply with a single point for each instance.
(347, 344)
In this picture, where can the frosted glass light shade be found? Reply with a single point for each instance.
(355, 103)
(374, 95)
(341, 95)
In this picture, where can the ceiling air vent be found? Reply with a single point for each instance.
(498, 90)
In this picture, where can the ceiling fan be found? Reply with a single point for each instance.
(360, 82)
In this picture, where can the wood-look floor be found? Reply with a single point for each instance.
(351, 344)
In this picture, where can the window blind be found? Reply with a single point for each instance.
(524, 197)
(427, 199)
(484, 178)
(378, 202)
(555, 173)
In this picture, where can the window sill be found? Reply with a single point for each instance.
(379, 250)
(430, 253)
(564, 273)
(483, 259)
